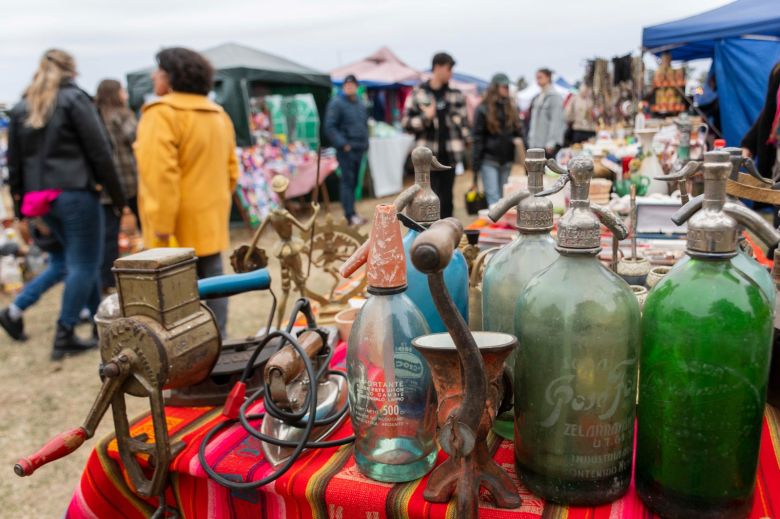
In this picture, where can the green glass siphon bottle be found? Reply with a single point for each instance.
(578, 326)
(706, 338)
(513, 266)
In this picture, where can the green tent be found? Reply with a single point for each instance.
(242, 73)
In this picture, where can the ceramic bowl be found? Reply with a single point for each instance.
(655, 275)
(634, 270)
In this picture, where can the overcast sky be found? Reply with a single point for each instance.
(110, 38)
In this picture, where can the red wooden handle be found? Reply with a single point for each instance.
(58, 447)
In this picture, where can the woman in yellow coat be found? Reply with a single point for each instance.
(187, 167)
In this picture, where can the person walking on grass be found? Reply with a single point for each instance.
(548, 124)
(346, 125)
(58, 156)
(120, 122)
(435, 113)
(496, 128)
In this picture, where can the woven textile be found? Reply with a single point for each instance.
(326, 483)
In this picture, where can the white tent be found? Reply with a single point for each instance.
(524, 97)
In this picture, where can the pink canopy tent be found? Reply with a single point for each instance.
(380, 69)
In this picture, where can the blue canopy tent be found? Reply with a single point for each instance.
(743, 40)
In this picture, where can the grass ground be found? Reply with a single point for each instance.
(39, 398)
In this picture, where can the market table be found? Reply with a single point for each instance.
(326, 483)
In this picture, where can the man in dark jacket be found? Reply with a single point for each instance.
(346, 125)
(435, 113)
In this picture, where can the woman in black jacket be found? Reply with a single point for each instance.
(760, 142)
(496, 126)
(58, 155)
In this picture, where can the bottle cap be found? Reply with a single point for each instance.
(534, 215)
(383, 252)
(579, 229)
(712, 221)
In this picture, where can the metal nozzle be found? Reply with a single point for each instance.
(505, 204)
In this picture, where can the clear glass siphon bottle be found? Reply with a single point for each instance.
(706, 339)
(512, 267)
(391, 395)
(577, 325)
(422, 206)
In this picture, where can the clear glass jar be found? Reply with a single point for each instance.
(391, 396)
(506, 276)
(578, 327)
(706, 340)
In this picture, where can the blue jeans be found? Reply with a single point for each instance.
(32, 291)
(494, 176)
(349, 163)
(76, 218)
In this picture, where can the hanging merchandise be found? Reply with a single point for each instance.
(510, 269)
(422, 206)
(391, 397)
(706, 340)
(577, 325)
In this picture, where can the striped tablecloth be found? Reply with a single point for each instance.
(326, 483)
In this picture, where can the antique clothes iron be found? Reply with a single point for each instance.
(289, 387)
(165, 338)
(468, 388)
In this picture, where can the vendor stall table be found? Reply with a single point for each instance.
(326, 483)
(386, 158)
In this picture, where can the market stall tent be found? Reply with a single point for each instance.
(242, 72)
(382, 69)
(743, 40)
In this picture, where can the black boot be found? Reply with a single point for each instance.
(67, 343)
(13, 327)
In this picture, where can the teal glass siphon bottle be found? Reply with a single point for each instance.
(578, 327)
(513, 266)
(422, 206)
(706, 339)
(391, 395)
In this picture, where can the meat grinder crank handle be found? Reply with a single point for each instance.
(233, 284)
(431, 253)
(115, 373)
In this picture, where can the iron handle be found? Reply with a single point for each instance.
(433, 248)
(750, 167)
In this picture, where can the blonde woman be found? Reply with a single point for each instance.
(58, 154)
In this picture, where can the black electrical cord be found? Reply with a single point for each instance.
(308, 410)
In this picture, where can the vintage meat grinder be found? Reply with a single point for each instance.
(467, 374)
(165, 339)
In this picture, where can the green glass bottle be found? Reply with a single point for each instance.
(577, 325)
(706, 338)
(512, 267)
